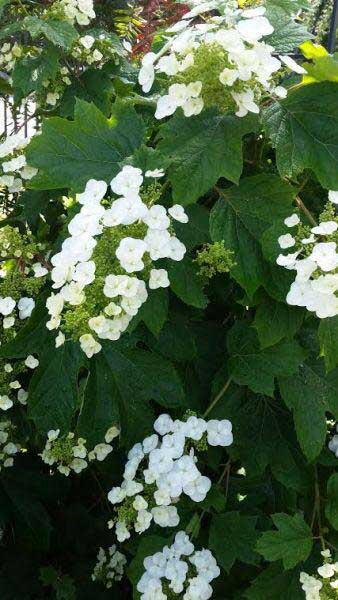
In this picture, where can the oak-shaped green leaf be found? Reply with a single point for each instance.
(59, 32)
(275, 321)
(233, 537)
(54, 390)
(291, 543)
(241, 216)
(287, 33)
(310, 394)
(256, 368)
(201, 150)
(304, 130)
(69, 153)
(262, 437)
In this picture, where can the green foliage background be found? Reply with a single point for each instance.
(230, 345)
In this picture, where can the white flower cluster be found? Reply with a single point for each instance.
(70, 454)
(78, 11)
(55, 87)
(24, 308)
(171, 465)
(8, 448)
(74, 268)
(10, 384)
(178, 569)
(8, 56)
(109, 566)
(315, 258)
(323, 586)
(249, 64)
(16, 165)
(91, 50)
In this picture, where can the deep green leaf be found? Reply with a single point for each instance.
(292, 543)
(53, 390)
(196, 232)
(120, 388)
(275, 321)
(154, 312)
(3, 4)
(275, 583)
(32, 517)
(241, 216)
(59, 32)
(304, 130)
(310, 394)
(250, 365)
(100, 409)
(186, 283)
(69, 153)
(287, 33)
(176, 341)
(93, 86)
(202, 149)
(233, 537)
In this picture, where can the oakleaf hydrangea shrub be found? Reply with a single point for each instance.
(168, 301)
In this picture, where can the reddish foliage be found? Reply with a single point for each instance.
(157, 14)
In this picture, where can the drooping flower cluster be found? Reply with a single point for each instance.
(178, 570)
(162, 468)
(223, 62)
(109, 242)
(325, 583)
(8, 445)
(69, 454)
(109, 567)
(14, 170)
(315, 258)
